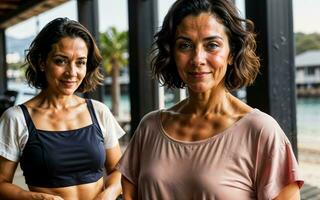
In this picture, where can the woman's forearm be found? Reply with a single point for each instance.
(290, 192)
(113, 185)
(9, 191)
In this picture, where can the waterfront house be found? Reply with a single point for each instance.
(308, 73)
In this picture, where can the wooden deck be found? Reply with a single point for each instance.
(309, 192)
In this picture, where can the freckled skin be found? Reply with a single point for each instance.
(202, 52)
(66, 66)
(202, 55)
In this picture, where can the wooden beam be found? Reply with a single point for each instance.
(26, 10)
(274, 89)
(88, 16)
(143, 17)
(3, 63)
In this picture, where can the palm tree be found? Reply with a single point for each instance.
(114, 49)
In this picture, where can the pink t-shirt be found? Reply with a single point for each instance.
(252, 159)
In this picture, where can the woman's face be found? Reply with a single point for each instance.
(201, 52)
(66, 65)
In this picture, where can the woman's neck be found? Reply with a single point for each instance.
(214, 101)
(58, 102)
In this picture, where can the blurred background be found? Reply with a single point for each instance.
(113, 36)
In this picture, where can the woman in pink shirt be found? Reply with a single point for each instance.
(210, 145)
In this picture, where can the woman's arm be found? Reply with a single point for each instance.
(290, 192)
(129, 190)
(113, 181)
(11, 191)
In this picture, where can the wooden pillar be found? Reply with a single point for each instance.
(89, 17)
(274, 89)
(144, 96)
(3, 62)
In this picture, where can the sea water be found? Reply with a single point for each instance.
(308, 122)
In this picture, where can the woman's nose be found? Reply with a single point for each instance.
(199, 57)
(71, 69)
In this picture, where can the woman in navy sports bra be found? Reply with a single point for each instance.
(63, 142)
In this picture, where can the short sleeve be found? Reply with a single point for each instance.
(114, 131)
(277, 166)
(111, 129)
(13, 134)
(129, 163)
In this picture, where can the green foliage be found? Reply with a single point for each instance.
(114, 48)
(16, 66)
(305, 42)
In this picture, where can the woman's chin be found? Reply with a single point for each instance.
(67, 92)
(200, 87)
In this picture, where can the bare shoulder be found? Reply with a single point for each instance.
(239, 107)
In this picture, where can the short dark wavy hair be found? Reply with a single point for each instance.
(42, 45)
(241, 36)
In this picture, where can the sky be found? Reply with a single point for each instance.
(114, 13)
(111, 13)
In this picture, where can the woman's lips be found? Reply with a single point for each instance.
(68, 83)
(199, 74)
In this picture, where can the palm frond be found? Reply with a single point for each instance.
(114, 48)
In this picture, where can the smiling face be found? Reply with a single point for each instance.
(202, 52)
(66, 66)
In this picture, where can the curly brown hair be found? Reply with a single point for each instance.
(51, 34)
(246, 64)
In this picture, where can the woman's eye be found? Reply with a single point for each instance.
(211, 46)
(184, 46)
(60, 61)
(81, 63)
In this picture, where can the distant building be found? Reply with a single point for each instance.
(308, 73)
(13, 58)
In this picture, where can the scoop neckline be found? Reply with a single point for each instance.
(220, 134)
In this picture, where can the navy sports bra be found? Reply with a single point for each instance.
(63, 158)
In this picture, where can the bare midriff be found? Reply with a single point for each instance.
(78, 192)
